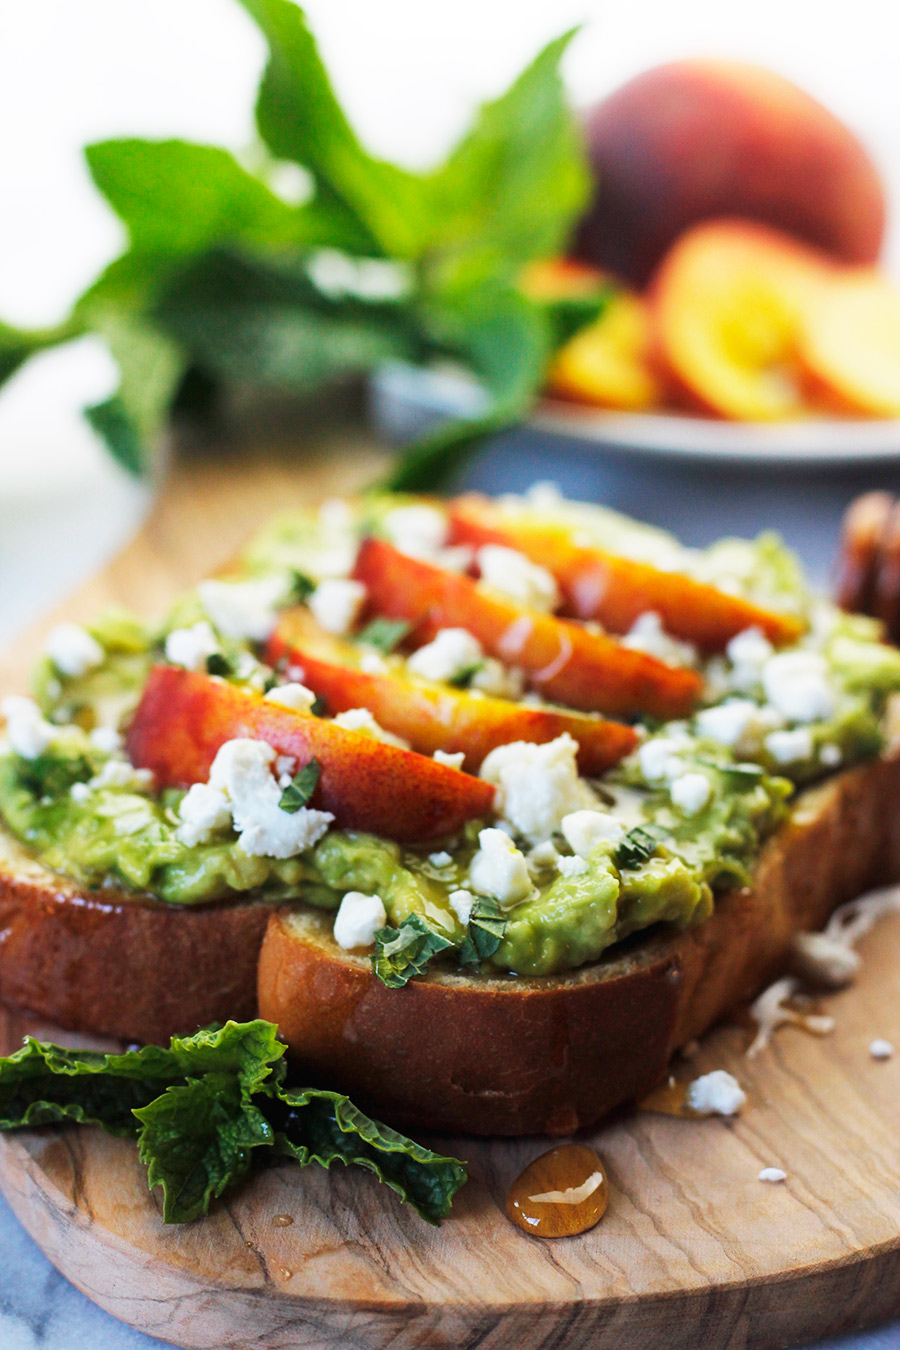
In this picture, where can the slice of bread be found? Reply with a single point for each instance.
(118, 965)
(504, 1055)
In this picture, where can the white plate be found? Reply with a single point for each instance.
(407, 399)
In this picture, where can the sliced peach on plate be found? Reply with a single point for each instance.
(608, 363)
(564, 661)
(727, 305)
(598, 585)
(184, 718)
(849, 343)
(434, 716)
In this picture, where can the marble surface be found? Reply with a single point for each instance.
(39, 1310)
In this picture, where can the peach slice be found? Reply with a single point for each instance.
(598, 585)
(432, 716)
(564, 661)
(850, 342)
(727, 303)
(608, 363)
(184, 717)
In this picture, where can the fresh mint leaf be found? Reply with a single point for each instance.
(463, 678)
(201, 1109)
(301, 787)
(385, 635)
(300, 119)
(18, 344)
(400, 953)
(511, 189)
(197, 1140)
(151, 368)
(53, 773)
(301, 587)
(319, 707)
(313, 1125)
(218, 664)
(485, 931)
(639, 844)
(179, 198)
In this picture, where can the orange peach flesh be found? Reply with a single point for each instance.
(433, 716)
(564, 661)
(598, 585)
(184, 718)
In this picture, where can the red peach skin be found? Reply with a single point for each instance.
(562, 660)
(184, 718)
(433, 716)
(598, 585)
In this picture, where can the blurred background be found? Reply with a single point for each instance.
(408, 73)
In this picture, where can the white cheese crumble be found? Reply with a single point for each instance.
(448, 656)
(79, 792)
(831, 755)
(243, 609)
(499, 869)
(461, 903)
(118, 773)
(690, 792)
(659, 760)
(497, 680)
(582, 830)
(790, 747)
(417, 530)
(716, 1094)
(797, 685)
(27, 732)
(358, 919)
(824, 959)
(292, 695)
(361, 720)
(242, 771)
(571, 867)
(106, 739)
(454, 759)
(772, 1174)
(881, 1049)
(543, 856)
(442, 859)
(336, 604)
(748, 652)
(537, 785)
(512, 574)
(72, 649)
(203, 811)
(373, 663)
(738, 722)
(647, 635)
(190, 647)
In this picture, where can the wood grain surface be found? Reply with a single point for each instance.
(693, 1249)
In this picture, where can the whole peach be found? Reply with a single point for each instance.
(702, 138)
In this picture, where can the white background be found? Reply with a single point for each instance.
(409, 71)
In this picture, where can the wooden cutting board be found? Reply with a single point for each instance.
(693, 1248)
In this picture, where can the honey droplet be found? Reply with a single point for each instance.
(669, 1099)
(560, 1194)
(283, 1220)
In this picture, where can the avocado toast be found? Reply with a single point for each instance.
(525, 795)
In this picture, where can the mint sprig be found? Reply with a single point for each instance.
(208, 1108)
(221, 282)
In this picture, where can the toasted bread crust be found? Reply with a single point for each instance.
(116, 965)
(519, 1056)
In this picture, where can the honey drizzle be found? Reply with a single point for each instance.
(560, 1194)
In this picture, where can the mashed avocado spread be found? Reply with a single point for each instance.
(566, 868)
